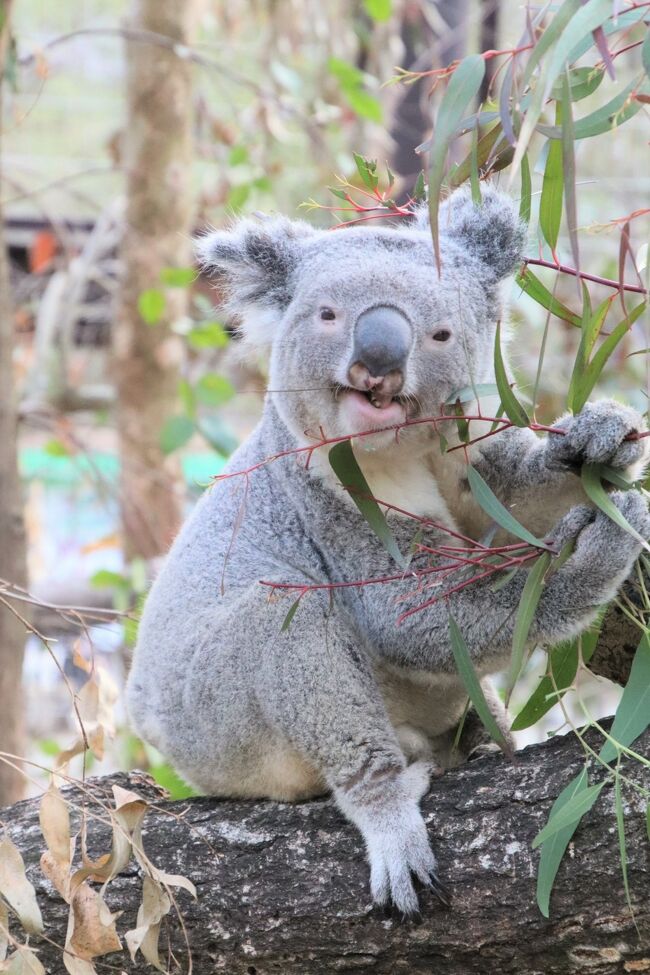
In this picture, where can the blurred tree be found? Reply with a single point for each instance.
(157, 155)
(434, 33)
(12, 530)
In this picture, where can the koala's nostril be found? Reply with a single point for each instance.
(382, 342)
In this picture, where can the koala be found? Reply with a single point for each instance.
(363, 333)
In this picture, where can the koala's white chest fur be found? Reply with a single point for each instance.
(407, 481)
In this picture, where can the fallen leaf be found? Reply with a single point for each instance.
(16, 888)
(156, 903)
(24, 961)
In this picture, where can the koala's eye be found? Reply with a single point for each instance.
(442, 335)
(327, 314)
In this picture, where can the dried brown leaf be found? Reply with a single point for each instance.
(156, 903)
(23, 961)
(16, 888)
(4, 930)
(54, 818)
(91, 929)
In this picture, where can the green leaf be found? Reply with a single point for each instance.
(526, 191)
(379, 10)
(178, 277)
(533, 287)
(591, 482)
(290, 615)
(208, 335)
(563, 662)
(56, 448)
(513, 408)
(473, 687)
(363, 104)
(166, 777)
(609, 116)
(367, 169)
(493, 507)
(469, 393)
(461, 90)
(187, 397)
(105, 579)
(590, 377)
(238, 196)
(492, 146)
(550, 206)
(571, 812)
(474, 173)
(528, 603)
(151, 305)
(633, 711)
(571, 23)
(176, 432)
(582, 82)
(569, 170)
(347, 74)
(237, 156)
(591, 326)
(645, 53)
(214, 390)
(345, 466)
(554, 848)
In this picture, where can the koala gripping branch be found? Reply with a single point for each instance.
(283, 889)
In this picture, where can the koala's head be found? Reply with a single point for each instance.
(363, 332)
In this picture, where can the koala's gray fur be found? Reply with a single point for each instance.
(344, 699)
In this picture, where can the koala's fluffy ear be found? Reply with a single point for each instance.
(492, 233)
(253, 265)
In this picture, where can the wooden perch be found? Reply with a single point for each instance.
(284, 888)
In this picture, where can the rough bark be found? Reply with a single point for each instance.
(284, 888)
(158, 151)
(12, 529)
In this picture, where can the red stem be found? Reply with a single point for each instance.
(608, 282)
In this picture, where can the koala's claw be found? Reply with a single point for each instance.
(597, 435)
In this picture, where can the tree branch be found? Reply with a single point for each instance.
(284, 888)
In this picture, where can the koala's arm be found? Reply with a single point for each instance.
(516, 462)
(602, 559)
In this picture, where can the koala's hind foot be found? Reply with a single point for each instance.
(396, 839)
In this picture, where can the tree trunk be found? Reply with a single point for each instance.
(12, 530)
(158, 156)
(283, 888)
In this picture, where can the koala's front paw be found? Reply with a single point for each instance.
(605, 553)
(597, 436)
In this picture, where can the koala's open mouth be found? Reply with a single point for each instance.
(378, 399)
(369, 408)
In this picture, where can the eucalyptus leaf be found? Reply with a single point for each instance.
(571, 812)
(535, 289)
(345, 466)
(462, 88)
(633, 711)
(472, 685)
(511, 405)
(591, 481)
(528, 603)
(554, 848)
(491, 505)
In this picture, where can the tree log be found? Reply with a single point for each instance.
(284, 888)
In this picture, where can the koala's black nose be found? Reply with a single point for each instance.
(382, 342)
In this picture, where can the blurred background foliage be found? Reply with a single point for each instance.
(283, 92)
